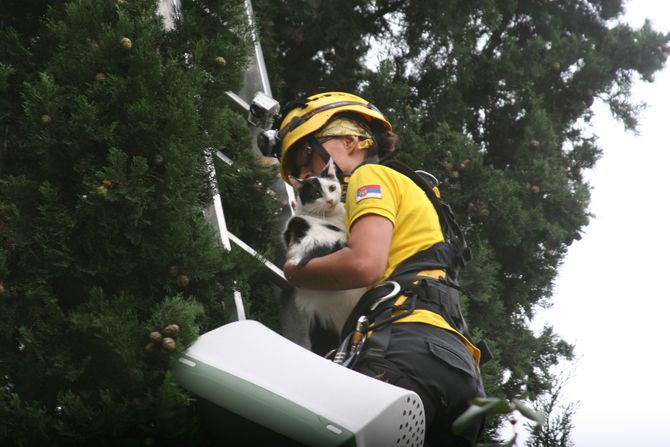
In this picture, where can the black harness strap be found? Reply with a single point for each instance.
(450, 227)
(367, 304)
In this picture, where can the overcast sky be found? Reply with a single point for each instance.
(612, 295)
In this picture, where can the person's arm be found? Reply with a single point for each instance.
(360, 264)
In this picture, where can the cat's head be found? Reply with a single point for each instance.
(318, 195)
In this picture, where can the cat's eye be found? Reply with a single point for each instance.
(332, 188)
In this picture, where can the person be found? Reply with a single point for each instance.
(394, 238)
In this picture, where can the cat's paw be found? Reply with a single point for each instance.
(293, 261)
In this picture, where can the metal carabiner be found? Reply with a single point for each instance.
(393, 294)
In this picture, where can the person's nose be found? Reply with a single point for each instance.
(305, 172)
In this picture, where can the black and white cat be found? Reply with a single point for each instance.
(317, 229)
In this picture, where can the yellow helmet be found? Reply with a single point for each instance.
(315, 112)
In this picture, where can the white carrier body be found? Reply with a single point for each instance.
(246, 368)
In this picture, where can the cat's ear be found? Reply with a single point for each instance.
(329, 170)
(295, 182)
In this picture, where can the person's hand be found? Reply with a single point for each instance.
(290, 270)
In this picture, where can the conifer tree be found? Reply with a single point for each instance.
(559, 425)
(107, 267)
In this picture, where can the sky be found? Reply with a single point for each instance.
(612, 296)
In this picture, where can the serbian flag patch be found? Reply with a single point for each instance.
(368, 191)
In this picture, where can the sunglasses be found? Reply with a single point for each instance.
(304, 153)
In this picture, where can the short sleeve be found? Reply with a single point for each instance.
(371, 190)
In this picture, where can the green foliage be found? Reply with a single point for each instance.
(310, 45)
(105, 118)
(24, 424)
(177, 310)
(247, 188)
(557, 430)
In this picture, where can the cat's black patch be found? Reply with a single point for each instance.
(322, 338)
(311, 190)
(320, 251)
(296, 229)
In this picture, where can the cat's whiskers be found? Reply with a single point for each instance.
(324, 211)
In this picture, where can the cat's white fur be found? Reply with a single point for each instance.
(332, 307)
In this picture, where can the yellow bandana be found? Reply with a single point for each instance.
(344, 126)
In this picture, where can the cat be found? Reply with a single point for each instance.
(317, 229)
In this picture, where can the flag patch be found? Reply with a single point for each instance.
(368, 191)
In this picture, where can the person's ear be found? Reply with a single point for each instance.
(350, 143)
(365, 143)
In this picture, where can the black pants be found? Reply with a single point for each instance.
(436, 365)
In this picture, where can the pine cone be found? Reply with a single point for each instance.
(155, 337)
(171, 330)
(101, 191)
(168, 345)
(183, 280)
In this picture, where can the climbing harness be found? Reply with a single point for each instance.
(415, 295)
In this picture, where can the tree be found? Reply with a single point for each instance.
(557, 430)
(494, 98)
(105, 117)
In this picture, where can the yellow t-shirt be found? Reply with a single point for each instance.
(383, 191)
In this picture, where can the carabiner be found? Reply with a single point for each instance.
(393, 294)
